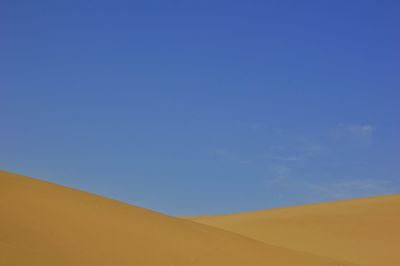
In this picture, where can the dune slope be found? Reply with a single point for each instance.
(363, 231)
(42, 224)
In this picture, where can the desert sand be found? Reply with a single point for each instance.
(363, 231)
(43, 224)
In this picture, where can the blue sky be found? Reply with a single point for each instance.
(199, 107)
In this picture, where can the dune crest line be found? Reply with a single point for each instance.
(50, 225)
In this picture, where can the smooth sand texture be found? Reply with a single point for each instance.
(363, 231)
(43, 224)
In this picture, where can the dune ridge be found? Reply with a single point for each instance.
(364, 231)
(43, 224)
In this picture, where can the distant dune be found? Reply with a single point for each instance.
(42, 224)
(363, 231)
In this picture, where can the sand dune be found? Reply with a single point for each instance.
(363, 231)
(42, 224)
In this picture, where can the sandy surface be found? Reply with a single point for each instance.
(43, 224)
(363, 231)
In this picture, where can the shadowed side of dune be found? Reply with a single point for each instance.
(43, 224)
(363, 231)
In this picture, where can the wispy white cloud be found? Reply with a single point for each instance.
(278, 175)
(362, 133)
(311, 147)
(287, 158)
(219, 152)
(255, 126)
(352, 188)
(295, 153)
(282, 177)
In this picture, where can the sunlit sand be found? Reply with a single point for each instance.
(43, 224)
(363, 231)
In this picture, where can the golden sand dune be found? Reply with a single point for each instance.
(42, 224)
(363, 231)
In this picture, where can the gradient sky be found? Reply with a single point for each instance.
(199, 107)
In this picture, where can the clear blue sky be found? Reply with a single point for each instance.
(197, 107)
